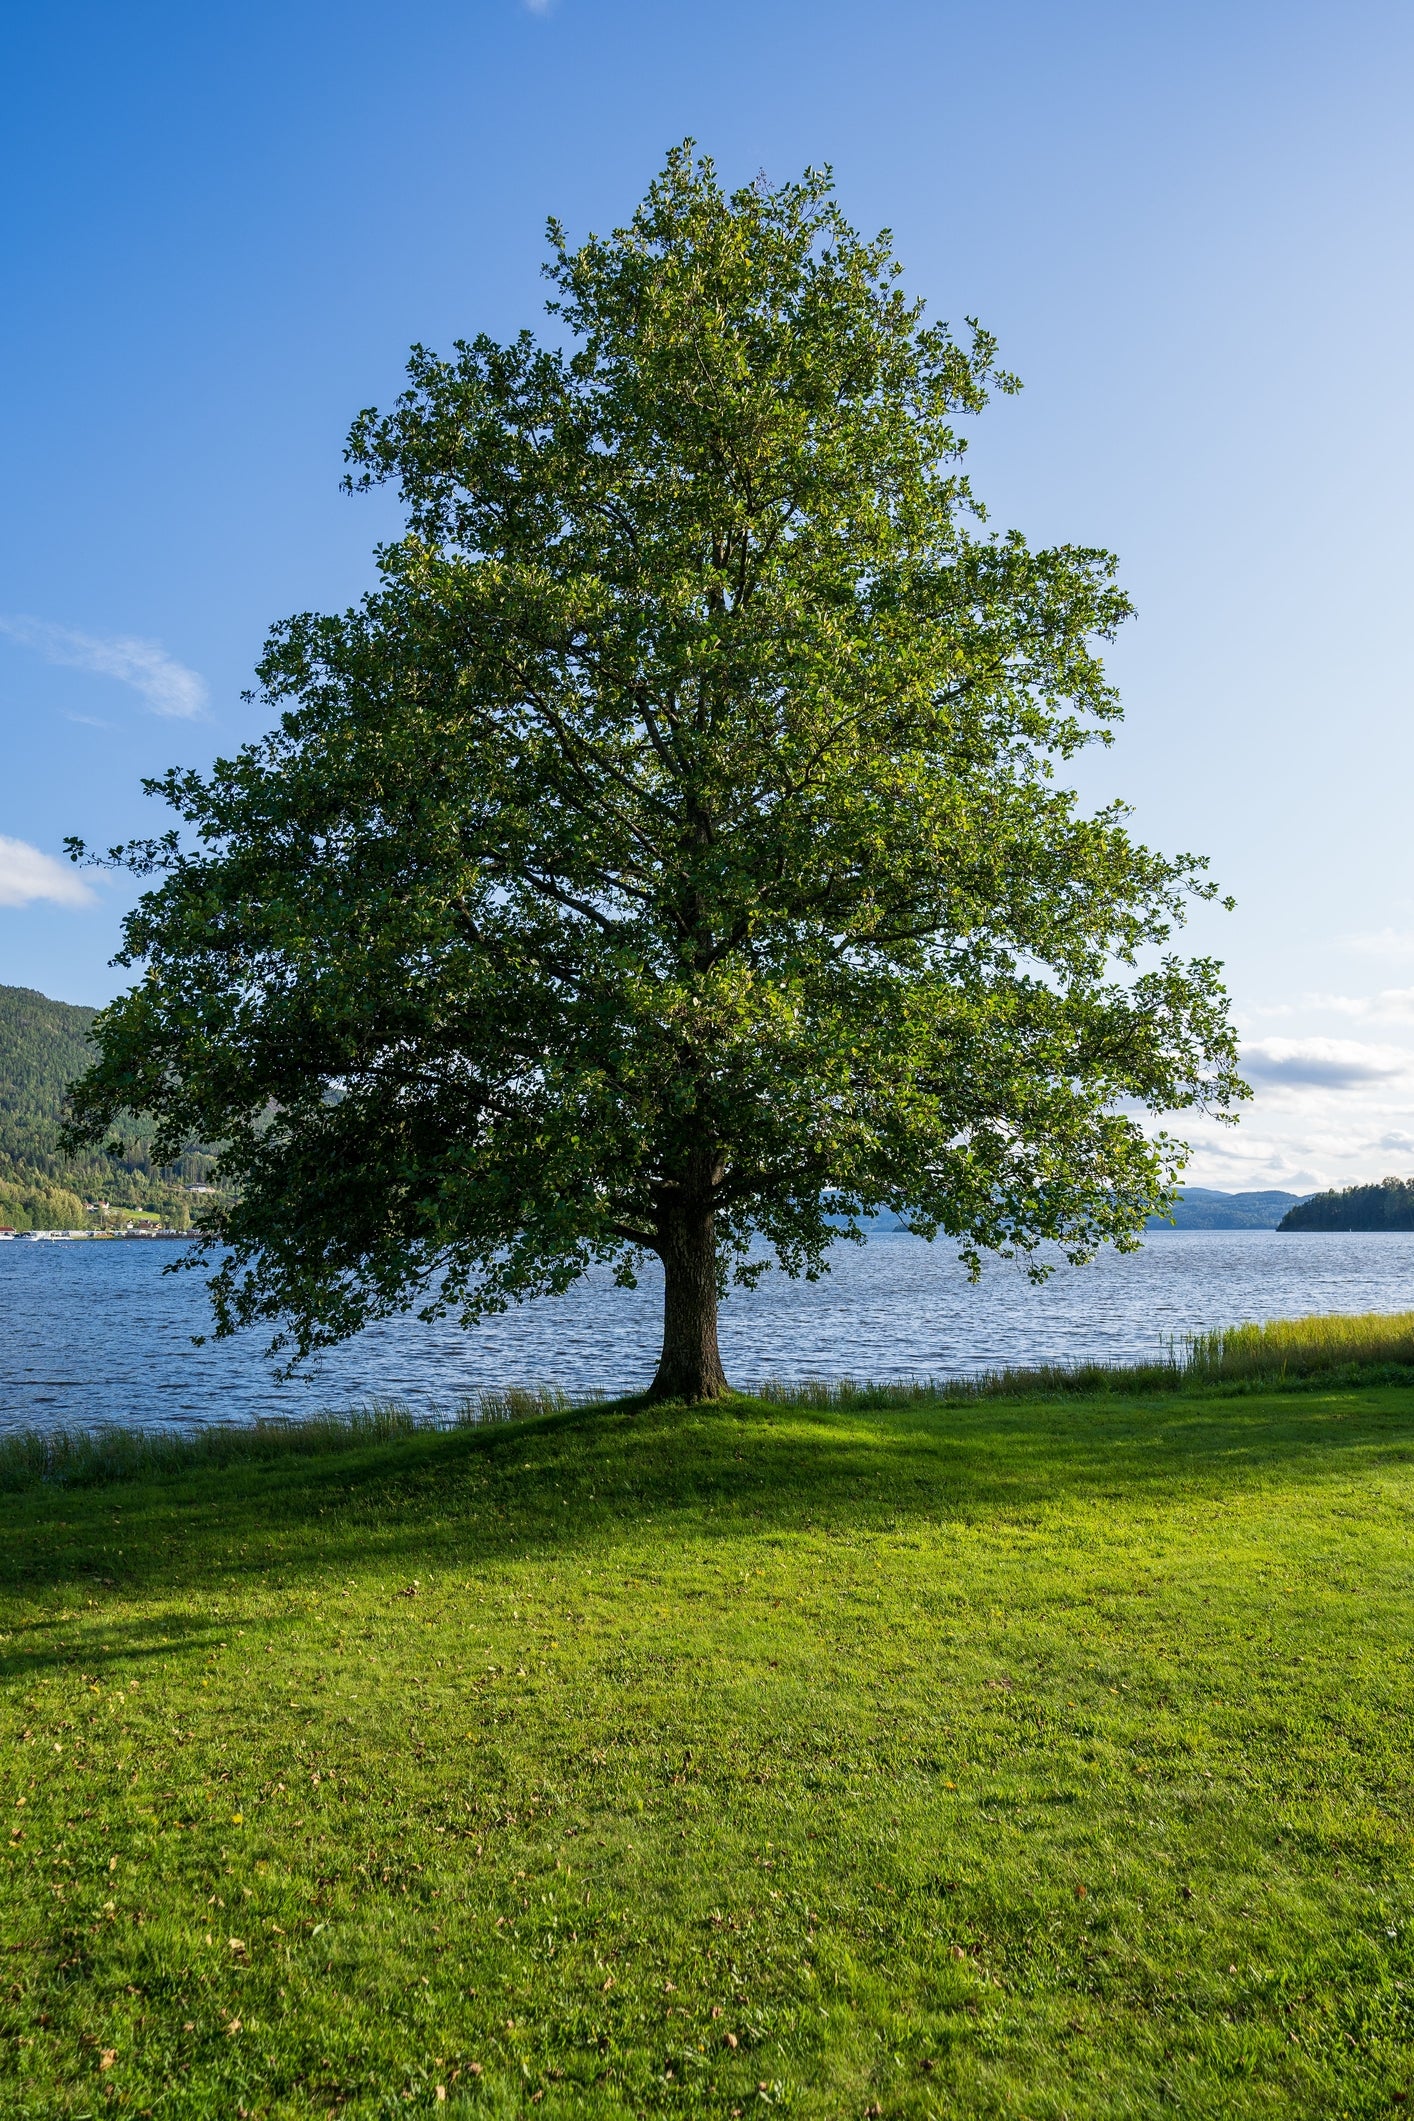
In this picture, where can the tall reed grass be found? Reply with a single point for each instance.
(1283, 1348)
(1303, 1347)
(108, 1451)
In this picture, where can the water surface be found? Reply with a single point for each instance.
(97, 1332)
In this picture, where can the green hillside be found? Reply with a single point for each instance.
(43, 1046)
(1386, 1206)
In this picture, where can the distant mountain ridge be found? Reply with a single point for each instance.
(44, 1044)
(1197, 1208)
(1200, 1208)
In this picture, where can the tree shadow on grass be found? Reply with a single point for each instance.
(486, 1500)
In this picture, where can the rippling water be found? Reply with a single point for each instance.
(97, 1332)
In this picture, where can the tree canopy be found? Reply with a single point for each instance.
(666, 857)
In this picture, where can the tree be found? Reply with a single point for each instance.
(666, 855)
(1388, 1204)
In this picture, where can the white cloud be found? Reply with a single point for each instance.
(1383, 942)
(1321, 1063)
(1392, 1005)
(26, 874)
(166, 685)
(1326, 1112)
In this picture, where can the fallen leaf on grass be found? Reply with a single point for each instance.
(108, 2057)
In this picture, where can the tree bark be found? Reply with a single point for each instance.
(690, 1366)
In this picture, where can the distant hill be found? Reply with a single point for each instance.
(43, 1045)
(1386, 1206)
(1199, 1208)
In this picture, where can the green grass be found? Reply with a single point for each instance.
(997, 1756)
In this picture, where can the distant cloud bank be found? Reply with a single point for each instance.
(1327, 1111)
(167, 686)
(1392, 1005)
(26, 875)
(1320, 1063)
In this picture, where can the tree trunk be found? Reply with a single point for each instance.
(690, 1366)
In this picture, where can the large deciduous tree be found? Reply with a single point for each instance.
(666, 856)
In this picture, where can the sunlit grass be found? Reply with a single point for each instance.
(1039, 1758)
(1303, 1347)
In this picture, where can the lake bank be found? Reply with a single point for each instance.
(100, 1333)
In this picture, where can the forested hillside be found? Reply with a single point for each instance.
(1386, 1206)
(43, 1046)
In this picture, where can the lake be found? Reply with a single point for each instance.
(97, 1332)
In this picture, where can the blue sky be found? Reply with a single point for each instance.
(1189, 226)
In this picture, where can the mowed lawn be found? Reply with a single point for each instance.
(1046, 1759)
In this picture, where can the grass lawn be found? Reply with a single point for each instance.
(1040, 1759)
